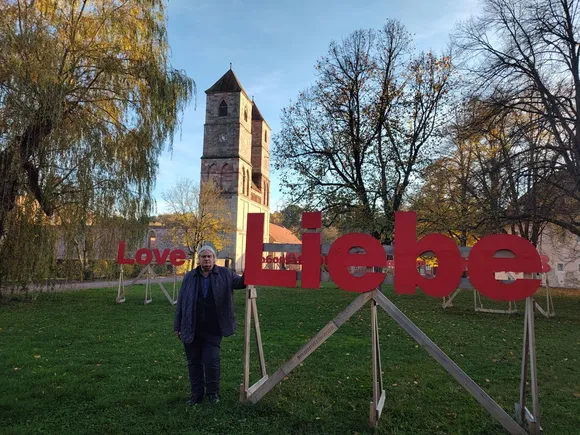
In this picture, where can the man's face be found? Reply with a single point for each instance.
(206, 260)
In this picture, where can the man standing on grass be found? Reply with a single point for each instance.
(204, 314)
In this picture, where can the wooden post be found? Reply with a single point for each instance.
(378, 402)
(174, 284)
(450, 366)
(252, 313)
(148, 286)
(448, 302)
(258, 335)
(527, 418)
(153, 275)
(121, 289)
(549, 312)
(247, 328)
(535, 427)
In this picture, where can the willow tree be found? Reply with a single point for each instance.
(353, 143)
(88, 101)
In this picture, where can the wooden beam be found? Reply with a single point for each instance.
(258, 337)
(309, 347)
(374, 362)
(490, 310)
(381, 404)
(169, 298)
(533, 366)
(247, 329)
(121, 289)
(523, 374)
(379, 364)
(257, 385)
(448, 303)
(450, 366)
(134, 280)
(352, 308)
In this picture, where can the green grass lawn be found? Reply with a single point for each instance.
(80, 363)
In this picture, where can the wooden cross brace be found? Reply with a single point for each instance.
(147, 271)
(530, 421)
(252, 394)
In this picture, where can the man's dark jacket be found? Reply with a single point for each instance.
(223, 281)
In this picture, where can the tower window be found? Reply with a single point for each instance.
(246, 115)
(244, 185)
(265, 135)
(223, 111)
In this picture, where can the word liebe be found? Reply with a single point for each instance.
(145, 256)
(481, 263)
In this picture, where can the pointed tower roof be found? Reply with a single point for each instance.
(227, 83)
(256, 115)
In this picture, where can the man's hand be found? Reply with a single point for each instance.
(178, 334)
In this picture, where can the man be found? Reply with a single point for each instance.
(204, 314)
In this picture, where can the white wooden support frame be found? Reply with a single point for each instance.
(379, 396)
(512, 307)
(252, 314)
(147, 271)
(121, 290)
(477, 304)
(530, 420)
(148, 297)
(252, 394)
(549, 311)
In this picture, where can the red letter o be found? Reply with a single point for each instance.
(139, 256)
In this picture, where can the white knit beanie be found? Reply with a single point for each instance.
(206, 248)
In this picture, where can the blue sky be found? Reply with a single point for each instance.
(273, 46)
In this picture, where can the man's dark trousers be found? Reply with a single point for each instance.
(203, 358)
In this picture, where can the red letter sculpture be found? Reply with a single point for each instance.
(483, 266)
(121, 255)
(253, 272)
(311, 250)
(339, 259)
(407, 249)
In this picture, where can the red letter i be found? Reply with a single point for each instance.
(311, 258)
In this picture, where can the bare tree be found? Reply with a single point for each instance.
(524, 55)
(352, 144)
(197, 215)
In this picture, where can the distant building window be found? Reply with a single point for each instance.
(223, 109)
(244, 185)
(152, 240)
(560, 267)
(246, 115)
(265, 135)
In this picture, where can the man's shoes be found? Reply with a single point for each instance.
(214, 399)
(194, 400)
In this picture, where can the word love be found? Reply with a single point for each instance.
(482, 262)
(145, 256)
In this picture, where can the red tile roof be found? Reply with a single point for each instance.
(280, 234)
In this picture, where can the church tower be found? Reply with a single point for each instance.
(236, 156)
